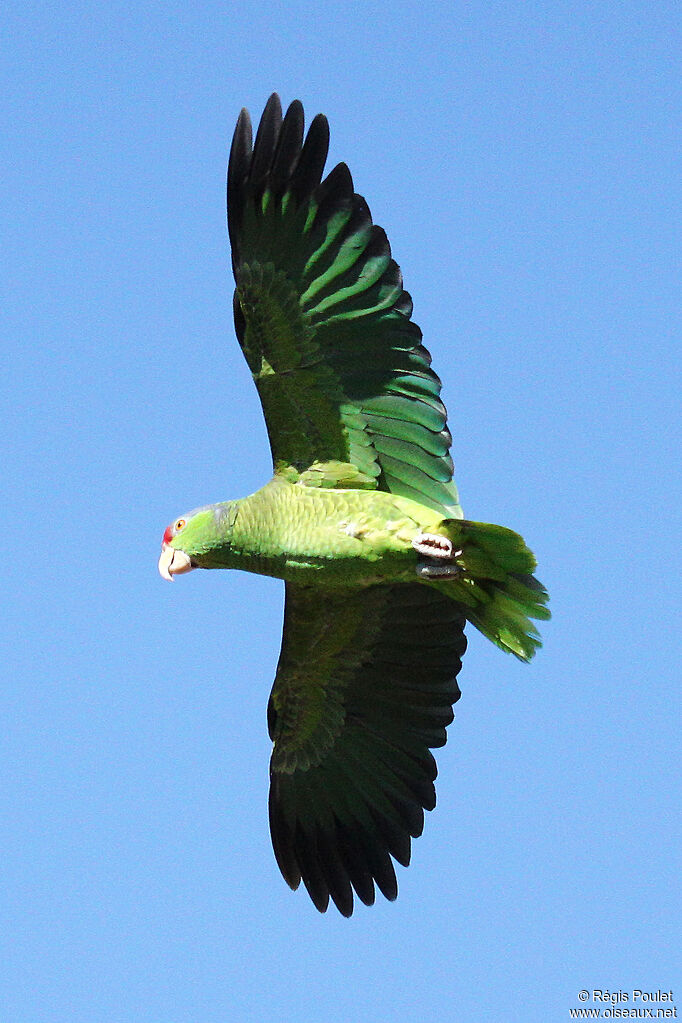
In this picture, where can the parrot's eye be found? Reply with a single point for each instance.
(180, 524)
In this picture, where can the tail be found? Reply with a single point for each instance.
(490, 573)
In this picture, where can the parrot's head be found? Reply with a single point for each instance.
(195, 540)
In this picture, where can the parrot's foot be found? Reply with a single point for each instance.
(437, 556)
(433, 546)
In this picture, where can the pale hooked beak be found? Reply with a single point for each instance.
(173, 562)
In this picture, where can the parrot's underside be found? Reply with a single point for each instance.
(361, 519)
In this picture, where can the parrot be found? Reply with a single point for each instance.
(361, 520)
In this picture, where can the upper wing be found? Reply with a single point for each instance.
(365, 686)
(323, 320)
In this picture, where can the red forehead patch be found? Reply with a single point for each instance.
(168, 535)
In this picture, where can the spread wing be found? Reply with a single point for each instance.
(324, 322)
(364, 688)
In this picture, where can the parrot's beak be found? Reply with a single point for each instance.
(173, 562)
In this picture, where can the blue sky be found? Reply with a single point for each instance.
(523, 159)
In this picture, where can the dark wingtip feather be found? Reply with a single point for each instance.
(266, 140)
(335, 872)
(311, 870)
(288, 148)
(238, 171)
(382, 869)
(355, 863)
(282, 839)
(308, 171)
(337, 184)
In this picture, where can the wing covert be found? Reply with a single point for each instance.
(324, 321)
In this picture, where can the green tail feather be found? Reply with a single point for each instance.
(493, 580)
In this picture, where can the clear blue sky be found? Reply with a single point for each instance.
(523, 159)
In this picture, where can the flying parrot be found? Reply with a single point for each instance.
(361, 520)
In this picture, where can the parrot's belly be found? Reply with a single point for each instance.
(328, 537)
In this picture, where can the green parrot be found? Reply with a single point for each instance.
(361, 520)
